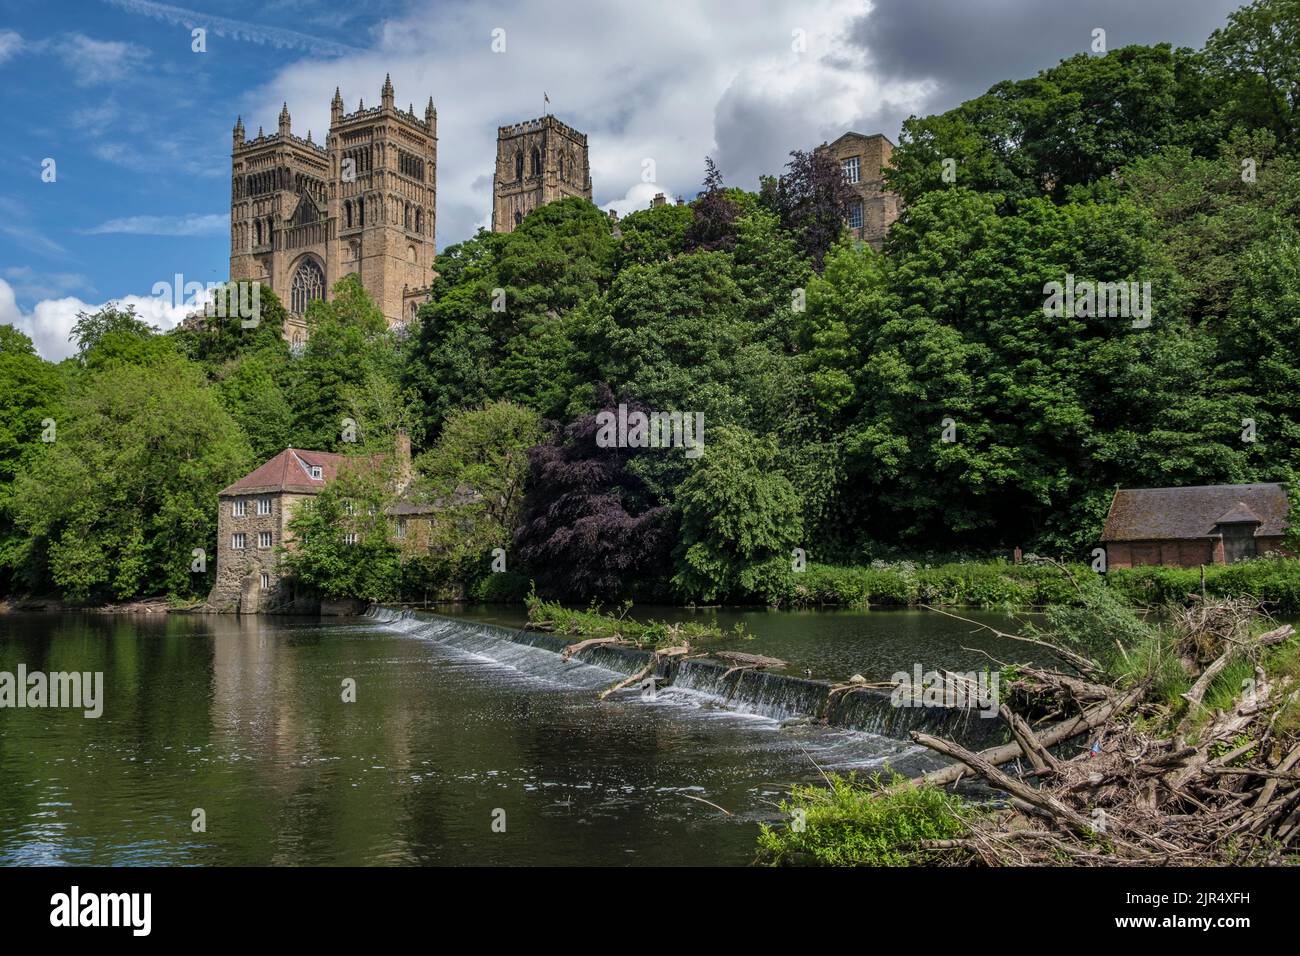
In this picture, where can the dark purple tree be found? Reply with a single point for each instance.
(714, 226)
(812, 201)
(589, 528)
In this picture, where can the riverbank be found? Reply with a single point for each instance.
(1275, 582)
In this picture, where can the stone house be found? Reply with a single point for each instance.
(863, 160)
(253, 523)
(1188, 527)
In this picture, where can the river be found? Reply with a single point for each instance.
(460, 748)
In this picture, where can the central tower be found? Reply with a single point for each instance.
(538, 162)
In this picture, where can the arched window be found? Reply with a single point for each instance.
(407, 218)
(537, 161)
(361, 210)
(419, 221)
(258, 225)
(561, 165)
(519, 165)
(415, 311)
(519, 217)
(347, 212)
(308, 285)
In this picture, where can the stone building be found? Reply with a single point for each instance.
(303, 215)
(863, 160)
(253, 521)
(538, 162)
(1188, 527)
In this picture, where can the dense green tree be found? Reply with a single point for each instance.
(740, 520)
(116, 505)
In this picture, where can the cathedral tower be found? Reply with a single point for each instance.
(303, 216)
(538, 162)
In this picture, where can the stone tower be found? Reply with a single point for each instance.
(538, 162)
(303, 216)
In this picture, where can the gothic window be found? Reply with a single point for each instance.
(537, 161)
(258, 224)
(519, 217)
(415, 311)
(410, 253)
(361, 210)
(519, 165)
(347, 213)
(308, 285)
(419, 221)
(407, 218)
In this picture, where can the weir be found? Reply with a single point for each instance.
(764, 693)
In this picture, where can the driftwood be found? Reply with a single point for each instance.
(645, 671)
(751, 660)
(1217, 788)
(589, 642)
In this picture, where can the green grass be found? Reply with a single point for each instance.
(1002, 584)
(851, 824)
(595, 623)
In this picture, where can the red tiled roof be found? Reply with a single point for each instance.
(1155, 514)
(289, 471)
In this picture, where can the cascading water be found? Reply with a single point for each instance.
(712, 683)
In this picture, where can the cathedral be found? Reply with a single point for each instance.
(303, 216)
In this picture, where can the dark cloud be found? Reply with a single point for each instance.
(965, 47)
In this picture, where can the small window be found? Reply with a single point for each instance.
(238, 540)
(317, 473)
(263, 539)
(852, 169)
(349, 508)
(350, 537)
(266, 581)
(263, 506)
(855, 216)
(239, 508)
(401, 528)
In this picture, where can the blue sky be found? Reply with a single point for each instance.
(139, 125)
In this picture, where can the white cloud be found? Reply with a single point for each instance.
(194, 224)
(95, 62)
(644, 81)
(50, 323)
(10, 44)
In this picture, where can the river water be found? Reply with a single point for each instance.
(460, 747)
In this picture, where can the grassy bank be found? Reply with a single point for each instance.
(594, 624)
(991, 584)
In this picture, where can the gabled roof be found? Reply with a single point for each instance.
(1152, 514)
(289, 471)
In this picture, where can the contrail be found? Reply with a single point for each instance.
(234, 29)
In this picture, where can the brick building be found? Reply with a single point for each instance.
(863, 159)
(1188, 527)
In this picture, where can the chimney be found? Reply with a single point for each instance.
(402, 453)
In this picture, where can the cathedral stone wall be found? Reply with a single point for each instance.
(304, 215)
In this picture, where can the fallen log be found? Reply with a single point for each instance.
(1063, 731)
(589, 642)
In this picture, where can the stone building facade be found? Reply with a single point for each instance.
(863, 160)
(303, 215)
(538, 162)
